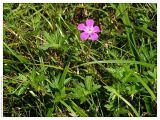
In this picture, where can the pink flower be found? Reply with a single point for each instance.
(90, 31)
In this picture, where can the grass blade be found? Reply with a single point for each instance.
(79, 110)
(62, 79)
(146, 86)
(19, 57)
(131, 40)
(117, 62)
(122, 98)
(68, 108)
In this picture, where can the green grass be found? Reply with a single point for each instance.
(50, 72)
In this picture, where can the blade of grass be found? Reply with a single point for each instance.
(19, 57)
(122, 98)
(145, 86)
(92, 8)
(44, 65)
(131, 40)
(68, 108)
(62, 79)
(79, 110)
(116, 62)
(149, 32)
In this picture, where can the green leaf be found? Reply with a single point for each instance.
(33, 94)
(50, 112)
(68, 108)
(55, 40)
(88, 82)
(125, 18)
(149, 32)
(148, 104)
(111, 89)
(63, 77)
(21, 90)
(145, 86)
(95, 87)
(18, 56)
(117, 62)
(79, 110)
(46, 46)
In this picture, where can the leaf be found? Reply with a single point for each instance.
(145, 86)
(116, 62)
(88, 82)
(22, 87)
(63, 77)
(79, 110)
(60, 96)
(149, 32)
(18, 56)
(33, 94)
(55, 40)
(50, 112)
(22, 90)
(68, 108)
(122, 110)
(115, 92)
(132, 90)
(46, 46)
(95, 87)
(22, 77)
(79, 92)
(48, 37)
(148, 104)
(125, 18)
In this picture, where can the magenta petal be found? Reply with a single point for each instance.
(84, 35)
(96, 29)
(81, 26)
(90, 22)
(93, 36)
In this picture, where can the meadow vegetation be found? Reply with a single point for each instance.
(49, 71)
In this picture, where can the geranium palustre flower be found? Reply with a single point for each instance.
(89, 31)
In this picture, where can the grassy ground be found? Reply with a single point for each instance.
(50, 71)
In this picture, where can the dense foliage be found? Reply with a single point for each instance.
(49, 71)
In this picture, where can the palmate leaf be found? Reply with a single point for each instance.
(54, 40)
(132, 90)
(79, 92)
(82, 91)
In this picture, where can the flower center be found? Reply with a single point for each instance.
(89, 29)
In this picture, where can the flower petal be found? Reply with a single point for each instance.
(84, 35)
(81, 26)
(96, 29)
(90, 23)
(93, 36)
